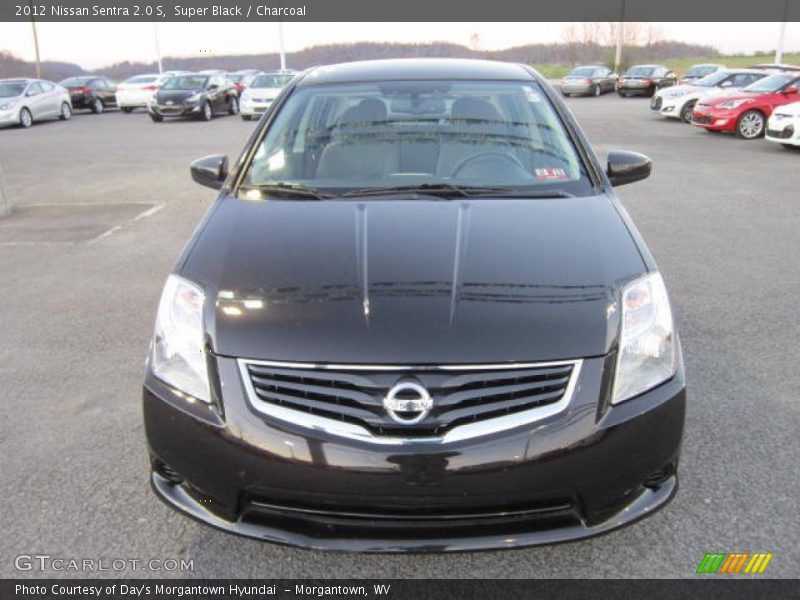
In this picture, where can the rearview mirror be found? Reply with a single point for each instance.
(626, 167)
(210, 171)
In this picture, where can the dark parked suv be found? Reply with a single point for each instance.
(92, 92)
(198, 95)
(416, 318)
(645, 80)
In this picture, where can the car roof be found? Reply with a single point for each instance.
(18, 80)
(589, 67)
(707, 65)
(750, 71)
(415, 68)
(647, 66)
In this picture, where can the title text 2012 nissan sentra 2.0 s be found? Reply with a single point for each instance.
(416, 318)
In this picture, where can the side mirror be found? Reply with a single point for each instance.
(210, 171)
(627, 167)
(726, 84)
(792, 89)
(213, 86)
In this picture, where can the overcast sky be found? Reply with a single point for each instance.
(93, 45)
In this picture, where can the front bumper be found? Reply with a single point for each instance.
(252, 108)
(582, 472)
(9, 117)
(714, 119)
(184, 109)
(783, 130)
(668, 107)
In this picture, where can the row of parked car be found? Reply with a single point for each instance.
(760, 101)
(202, 95)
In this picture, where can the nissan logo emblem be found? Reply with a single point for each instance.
(408, 403)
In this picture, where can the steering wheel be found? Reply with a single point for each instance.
(487, 154)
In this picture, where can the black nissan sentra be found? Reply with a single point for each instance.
(416, 318)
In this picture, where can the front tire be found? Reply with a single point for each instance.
(234, 107)
(686, 112)
(126, 109)
(247, 117)
(66, 111)
(750, 125)
(98, 106)
(206, 112)
(597, 91)
(25, 118)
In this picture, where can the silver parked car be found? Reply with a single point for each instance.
(591, 80)
(261, 92)
(23, 101)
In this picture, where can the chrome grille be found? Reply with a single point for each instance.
(468, 400)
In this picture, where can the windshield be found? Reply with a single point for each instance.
(418, 133)
(272, 81)
(772, 83)
(713, 79)
(9, 90)
(582, 72)
(76, 81)
(701, 71)
(640, 72)
(187, 82)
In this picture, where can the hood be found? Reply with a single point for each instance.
(789, 109)
(413, 281)
(264, 92)
(677, 90)
(175, 95)
(713, 100)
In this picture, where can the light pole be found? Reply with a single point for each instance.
(782, 34)
(158, 46)
(620, 37)
(35, 43)
(280, 46)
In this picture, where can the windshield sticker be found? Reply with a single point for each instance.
(551, 174)
(530, 94)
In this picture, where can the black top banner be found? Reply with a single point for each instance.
(407, 10)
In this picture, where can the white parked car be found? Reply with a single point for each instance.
(261, 92)
(23, 101)
(678, 102)
(783, 126)
(135, 92)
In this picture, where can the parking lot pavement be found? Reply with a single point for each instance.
(721, 215)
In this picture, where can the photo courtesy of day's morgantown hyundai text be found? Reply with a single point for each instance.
(416, 318)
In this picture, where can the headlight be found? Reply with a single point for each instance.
(646, 355)
(734, 103)
(9, 104)
(194, 97)
(178, 356)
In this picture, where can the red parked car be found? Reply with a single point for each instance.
(747, 111)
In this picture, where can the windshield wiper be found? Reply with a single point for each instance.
(449, 190)
(290, 189)
(442, 190)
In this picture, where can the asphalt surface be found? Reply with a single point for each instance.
(720, 214)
